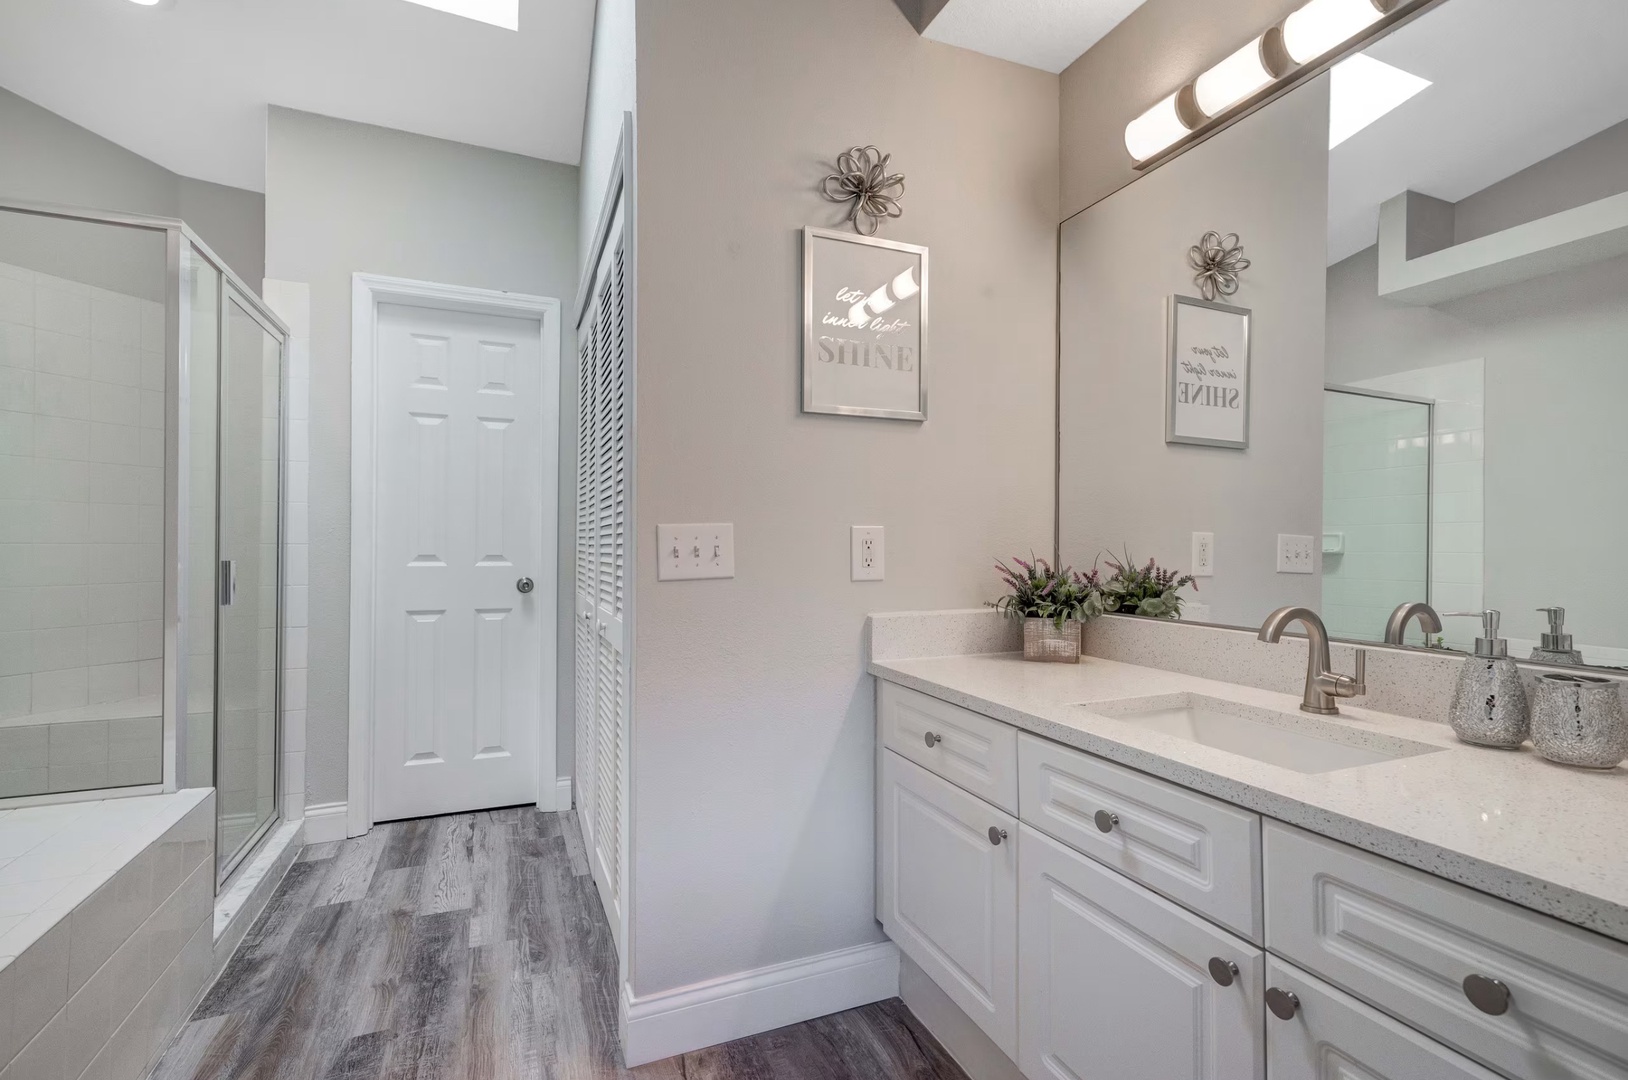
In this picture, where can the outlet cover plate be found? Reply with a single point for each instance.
(868, 553)
(687, 552)
(1204, 554)
(1295, 554)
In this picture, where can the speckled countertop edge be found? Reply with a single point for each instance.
(1508, 824)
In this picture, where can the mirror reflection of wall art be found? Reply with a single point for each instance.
(864, 326)
(1207, 383)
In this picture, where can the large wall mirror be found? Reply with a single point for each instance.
(1438, 295)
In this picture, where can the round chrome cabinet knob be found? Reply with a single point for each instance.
(1487, 994)
(1283, 1003)
(525, 584)
(1223, 971)
(1106, 821)
(932, 739)
(996, 835)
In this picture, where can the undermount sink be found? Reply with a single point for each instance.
(1295, 741)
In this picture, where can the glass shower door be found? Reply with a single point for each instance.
(1376, 508)
(246, 746)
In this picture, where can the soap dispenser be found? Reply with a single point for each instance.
(1556, 646)
(1489, 703)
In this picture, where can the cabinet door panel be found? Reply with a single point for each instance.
(1115, 981)
(1405, 942)
(971, 751)
(949, 895)
(1333, 1036)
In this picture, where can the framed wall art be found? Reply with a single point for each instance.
(864, 326)
(1207, 381)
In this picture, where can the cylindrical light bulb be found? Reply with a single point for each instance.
(1232, 80)
(1154, 130)
(1322, 24)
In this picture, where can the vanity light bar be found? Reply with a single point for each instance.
(1309, 32)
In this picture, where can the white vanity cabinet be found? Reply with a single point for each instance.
(1116, 982)
(948, 891)
(1100, 923)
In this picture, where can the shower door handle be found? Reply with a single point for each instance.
(228, 582)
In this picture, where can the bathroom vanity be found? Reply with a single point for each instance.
(1127, 872)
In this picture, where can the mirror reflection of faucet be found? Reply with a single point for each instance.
(1396, 630)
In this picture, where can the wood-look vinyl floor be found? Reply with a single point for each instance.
(474, 948)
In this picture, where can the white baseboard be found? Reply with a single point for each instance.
(562, 794)
(705, 1014)
(326, 821)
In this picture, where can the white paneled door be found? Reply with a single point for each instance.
(459, 555)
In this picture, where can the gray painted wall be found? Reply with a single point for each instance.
(753, 739)
(1267, 179)
(44, 158)
(1556, 354)
(343, 198)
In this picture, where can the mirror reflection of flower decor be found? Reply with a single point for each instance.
(862, 179)
(1151, 590)
(1219, 260)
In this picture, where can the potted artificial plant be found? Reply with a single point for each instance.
(1054, 605)
(1151, 590)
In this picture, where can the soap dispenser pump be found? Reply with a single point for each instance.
(1489, 703)
(1556, 646)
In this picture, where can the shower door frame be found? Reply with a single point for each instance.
(1430, 466)
(177, 482)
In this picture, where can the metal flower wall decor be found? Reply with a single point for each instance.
(1219, 260)
(863, 180)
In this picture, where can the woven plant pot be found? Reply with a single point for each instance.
(1044, 641)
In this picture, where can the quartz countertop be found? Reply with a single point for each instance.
(1508, 823)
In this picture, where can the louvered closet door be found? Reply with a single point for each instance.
(602, 532)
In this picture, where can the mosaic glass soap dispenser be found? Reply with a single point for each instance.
(1489, 703)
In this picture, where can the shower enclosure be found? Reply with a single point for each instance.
(141, 435)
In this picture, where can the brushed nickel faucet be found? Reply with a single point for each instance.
(1324, 686)
(1396, 629)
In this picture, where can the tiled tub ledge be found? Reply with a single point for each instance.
(1508, 824)
(105, 932)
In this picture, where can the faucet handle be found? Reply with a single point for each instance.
(1361, 676)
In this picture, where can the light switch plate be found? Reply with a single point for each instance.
(1203, 554)
(868, 553)
(1295, 554)
(687, 552)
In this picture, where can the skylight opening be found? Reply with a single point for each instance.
(1364, 89)
(504, 13)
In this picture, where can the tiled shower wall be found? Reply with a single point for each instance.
(81, 528)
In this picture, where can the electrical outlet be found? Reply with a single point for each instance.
(868, 552)
(1294, 554)
(1204, 554)
(686, 552)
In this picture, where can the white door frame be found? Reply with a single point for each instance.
(368, 291)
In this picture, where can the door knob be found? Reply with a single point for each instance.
(1283, 1003)
(525, 584)
(932, 739)
(1106, 820)
(996, 835)
(1223, 971)
(1487, 994)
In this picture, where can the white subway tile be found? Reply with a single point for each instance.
(297, 568)
(59, 648)
(53, 690)
(61, 354)
(115, 319)
(17, 442)
(59, 310)
(16, 388)
(119, 364)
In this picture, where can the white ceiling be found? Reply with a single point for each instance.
(187, 86)
(1045, 34)
(1515, 82)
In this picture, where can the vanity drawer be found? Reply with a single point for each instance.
(1407, 942)
(1198, 851)
(973, 752)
